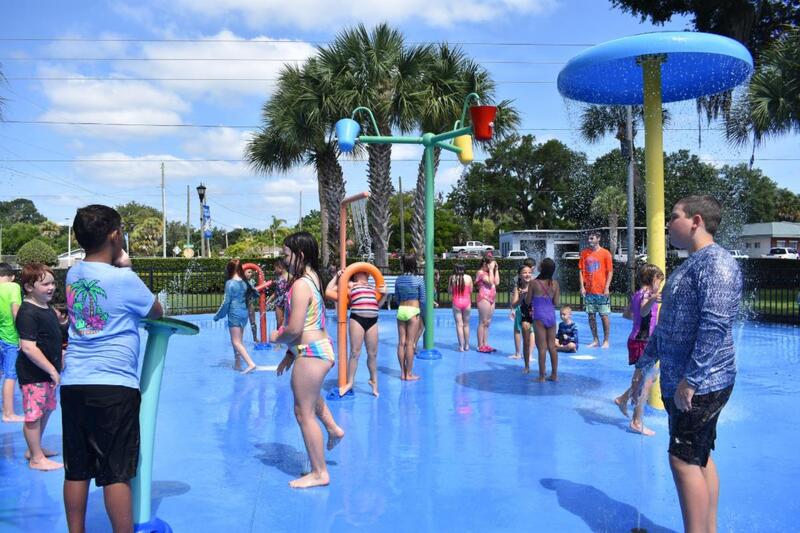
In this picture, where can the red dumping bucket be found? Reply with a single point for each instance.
(483, 121)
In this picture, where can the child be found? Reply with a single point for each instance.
(522, 303)
(364, 301)
(644, 311)
(694, 342)
(278, 298)
(311, 352)
(100, 385)
(252, 302)
(546, 297)
(10, 300)
(409, 290)
(515, 312)
(234, 308)
(460, 287)
(39, 370)
(486, 280)
(567, 335)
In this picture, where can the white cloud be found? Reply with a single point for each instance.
(85, 100)
(325, 14)
(448, 176)
(222, 143)
(119, 169)
(239, 60)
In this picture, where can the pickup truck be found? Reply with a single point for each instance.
(781, 253)
(473, 247)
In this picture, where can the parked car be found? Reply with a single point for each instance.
(475, 247)
(622, 256)
(571, 255)
(517, 254)
(781, 253)
(737, 254)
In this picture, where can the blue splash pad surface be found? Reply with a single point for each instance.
(473, 446)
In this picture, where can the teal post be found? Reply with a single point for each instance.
(159, 332)
(429, 352)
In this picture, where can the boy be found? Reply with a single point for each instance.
(10, 300)
(567, 335)
(597, 269)
(39, 365)
(100, 385)
(694, 342)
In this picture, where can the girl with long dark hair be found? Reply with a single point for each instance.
(310, 351)
(234, 308)
(546, 297)
(460, 287)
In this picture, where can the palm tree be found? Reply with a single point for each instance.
(276, 226)
(375, 69)
(771, 106)
(296, 130)
(610, 203)
(452, 75)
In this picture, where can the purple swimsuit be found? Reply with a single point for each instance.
(544, 310)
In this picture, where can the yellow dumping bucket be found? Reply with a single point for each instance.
(465, 143)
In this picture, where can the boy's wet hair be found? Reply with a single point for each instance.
(595, 234)
(704, 205)
(566, 308)
(529, 262)
(648, 273)
(6, 270)
(93, 224)
(33, 272)
(409, 263)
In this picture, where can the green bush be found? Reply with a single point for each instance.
(36, 251)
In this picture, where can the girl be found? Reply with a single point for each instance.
(278, 298)
(486, 279)
(644, 311)
(546, 297)
(460, 288)
(234, 307)
(515, 314)
(363, 324)
(410, 292)
(311, 352)
(521, 302)
(252, 302)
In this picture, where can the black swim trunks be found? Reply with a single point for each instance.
(692, 433)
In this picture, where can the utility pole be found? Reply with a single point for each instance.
(201, 193)
(301, 210)
(402, 219)
(163, 215)
(188, 220)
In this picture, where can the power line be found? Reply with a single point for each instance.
(273, 41)
(105, 78)
(246, 59)
(159, 161)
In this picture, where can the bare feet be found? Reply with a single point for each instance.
(347, 388)
(412, 377)
(334, 437)
(249, 369)
(310, 480)
(540, 379)
(639, 428)
(374, 385)
(13, 418)
(515, 356)
(605, 344)
(47, 453)
(553, 377)
(45, 465)
(622, 403)
(594, 344)
(526, 370)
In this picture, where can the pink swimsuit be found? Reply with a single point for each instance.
(486, 289)
(462, 300)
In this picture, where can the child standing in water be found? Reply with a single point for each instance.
(234, 308)
(486, 280)
(460, 288)
(278, 298)
(546, 297)
(365, 301)
(410, 293)
(311, 353)
(39, 364)
(644, 310)
(521, 301)
(515, 313)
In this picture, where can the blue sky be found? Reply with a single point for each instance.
(211, 41)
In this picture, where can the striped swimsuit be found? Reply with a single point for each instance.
(364, 306)
(315, 320)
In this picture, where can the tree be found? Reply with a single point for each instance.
(145, 239)
(787, 206)
(278, 231)
(296, 126)
(771, 105)
(134, 213)
(375, 69)
(37, 251)
(451, 76)
(611, 202)
(312, 223)
(20, 210)
(16, 235)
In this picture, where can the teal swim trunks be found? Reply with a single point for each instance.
(598, 303)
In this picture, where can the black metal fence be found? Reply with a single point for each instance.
(771, 287)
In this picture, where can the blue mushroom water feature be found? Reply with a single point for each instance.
(649, 69)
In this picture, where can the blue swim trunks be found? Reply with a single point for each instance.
(598, 303)
(8, 359)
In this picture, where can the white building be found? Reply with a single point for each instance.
(554, 243)
(757, 239)
(64, 259)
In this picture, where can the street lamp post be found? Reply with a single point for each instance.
(69, 242)
(481, 126)
(201, 192)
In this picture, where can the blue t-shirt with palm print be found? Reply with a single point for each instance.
(104, 304)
